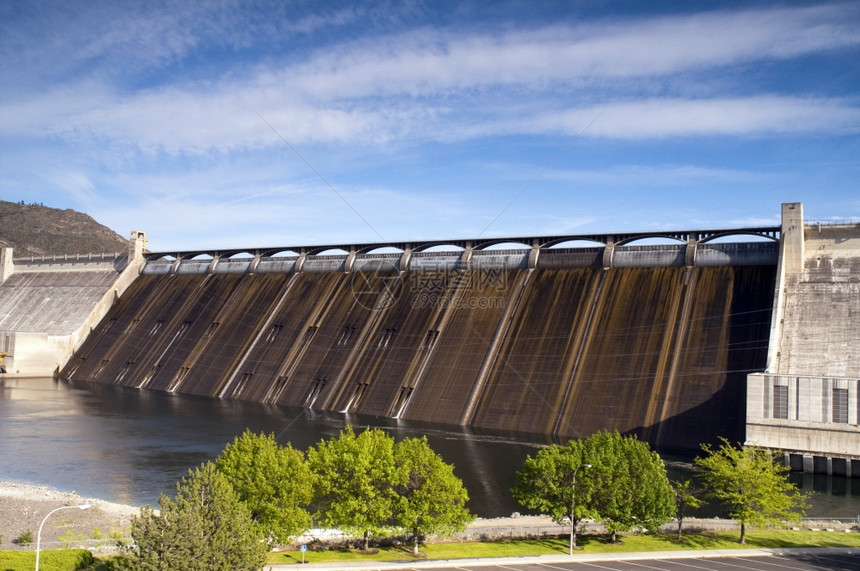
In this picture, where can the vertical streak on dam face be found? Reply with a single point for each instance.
(469, 317)
(533, 367)
(623, 352)
(661, 352)
(387, 369)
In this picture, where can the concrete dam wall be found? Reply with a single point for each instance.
(49, 304)
(649, 344)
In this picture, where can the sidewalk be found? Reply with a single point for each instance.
(549, 559)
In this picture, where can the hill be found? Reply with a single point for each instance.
(38, 230)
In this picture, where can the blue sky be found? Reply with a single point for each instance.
(244, 124)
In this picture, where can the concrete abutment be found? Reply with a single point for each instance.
(49, 304)
(807, 401)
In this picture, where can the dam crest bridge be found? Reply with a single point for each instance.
(539, 242)
(685, 247)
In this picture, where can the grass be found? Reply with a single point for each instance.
(773, 538)
(589, 543)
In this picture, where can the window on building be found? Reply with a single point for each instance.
(840, 405)
(780, 401)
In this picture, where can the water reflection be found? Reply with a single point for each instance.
(129, 446)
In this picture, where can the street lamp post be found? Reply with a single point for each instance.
(39, 535)
(573, 508)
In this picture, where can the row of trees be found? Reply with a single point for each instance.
(620, 482)
(227, 514)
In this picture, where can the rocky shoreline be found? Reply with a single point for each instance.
(23, 507)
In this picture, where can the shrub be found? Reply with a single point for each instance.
(50, 560)
(70, 538)
(25, 538)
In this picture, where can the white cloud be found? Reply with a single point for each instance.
(76, 183)
(674, 117)
(223, 118)
(427, 63)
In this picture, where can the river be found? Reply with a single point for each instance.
(129, 446)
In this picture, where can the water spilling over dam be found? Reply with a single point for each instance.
(651, 340)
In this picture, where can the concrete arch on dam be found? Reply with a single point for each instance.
(766, 235)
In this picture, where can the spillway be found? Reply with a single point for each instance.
(566, 344)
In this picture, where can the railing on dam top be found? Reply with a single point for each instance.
(693, 247)
(833, 222)
(115, 261)
(49, 258)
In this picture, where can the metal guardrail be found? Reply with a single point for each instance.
(834, 222)
(852, 520)
(69, 257)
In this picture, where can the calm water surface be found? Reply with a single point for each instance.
(129, 446)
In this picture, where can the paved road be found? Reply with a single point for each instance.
(724, 560)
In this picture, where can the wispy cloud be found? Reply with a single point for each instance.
(423, 64)
(749, 116)
(176, 121)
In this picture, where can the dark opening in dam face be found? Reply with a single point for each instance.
(661, 352)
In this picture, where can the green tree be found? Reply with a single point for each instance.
(686, 497)
(205, 528)
(752, 483)
(354, 478)
(433, 499)
(547, 483)
(618, 480)
(628, 483)
(273, 481)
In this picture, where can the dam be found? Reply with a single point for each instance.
(559, 335)
(652, 340)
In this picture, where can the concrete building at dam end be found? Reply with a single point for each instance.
(678, 336)
(807, 400)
